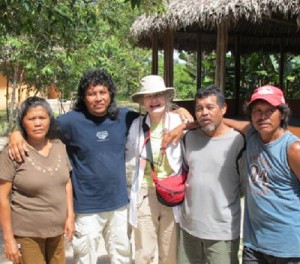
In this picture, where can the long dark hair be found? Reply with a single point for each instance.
(29, 103)
(96, 77)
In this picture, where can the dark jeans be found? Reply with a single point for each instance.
(251, 256)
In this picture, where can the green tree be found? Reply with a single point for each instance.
(185, 73)
(65, 38)
(148, 5)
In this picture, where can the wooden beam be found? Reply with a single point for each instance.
(281, 65)
(282, 22)
(154, 69)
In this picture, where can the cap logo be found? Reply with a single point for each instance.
(265, 90)
(273, 95)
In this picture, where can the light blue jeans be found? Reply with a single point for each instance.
(112, 226)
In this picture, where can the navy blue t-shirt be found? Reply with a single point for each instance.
(96, 148)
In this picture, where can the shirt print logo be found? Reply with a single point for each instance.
(257, 176)
(102, 135)
(260, 179)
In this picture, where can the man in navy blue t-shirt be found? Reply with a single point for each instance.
(95, 135)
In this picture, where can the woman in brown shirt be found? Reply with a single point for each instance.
(36, 202)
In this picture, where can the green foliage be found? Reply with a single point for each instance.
(292, 83)
(185, 73)
(148, 6)
(62, 39)
(256, 69)
(184, 84)
(49, 42)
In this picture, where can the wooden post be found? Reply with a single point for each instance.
(217, 72)
(168, 57)
(221, 49)
(199, 62)
(237, 74)
(154, 69)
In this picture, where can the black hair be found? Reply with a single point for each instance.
(283, 109)
(32, 102)
(211, 90)
(96, 77)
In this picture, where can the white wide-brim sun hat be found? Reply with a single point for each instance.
(152, 84)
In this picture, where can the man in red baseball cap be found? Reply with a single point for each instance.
(271, 94)
(272, 208)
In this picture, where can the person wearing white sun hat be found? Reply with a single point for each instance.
(152, 84)
(154, 223)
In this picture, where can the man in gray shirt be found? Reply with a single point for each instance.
(211, 213)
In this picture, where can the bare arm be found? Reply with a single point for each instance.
(241, 126)
(294, 158)
(17, 147)
(175, 134)
(10, 244)
(70, 221)
(184, 114)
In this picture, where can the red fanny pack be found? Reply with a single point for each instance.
(169, 191)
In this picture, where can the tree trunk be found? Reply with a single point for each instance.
(12, 103)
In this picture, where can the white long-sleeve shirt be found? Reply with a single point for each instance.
(135, 150)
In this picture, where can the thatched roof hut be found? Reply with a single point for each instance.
(239, 26)
(265, 25)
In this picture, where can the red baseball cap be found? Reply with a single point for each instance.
(271, 94)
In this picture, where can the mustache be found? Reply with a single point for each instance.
(203, 119)
(263, 122)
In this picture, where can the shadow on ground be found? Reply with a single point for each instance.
(101, 260)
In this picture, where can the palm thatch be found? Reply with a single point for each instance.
(264, 24)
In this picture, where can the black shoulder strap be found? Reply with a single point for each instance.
(183, 149)
(146, 130)
(240, 154)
